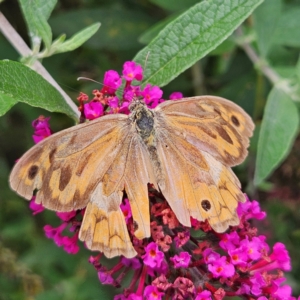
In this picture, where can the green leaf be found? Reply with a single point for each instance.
(266, 18)
(46, 7)
(22, 84)
(191, 36)
(120, 27)
(6, 103)
(287, 31)
(278, 132)
(36, 20)
(78, 39)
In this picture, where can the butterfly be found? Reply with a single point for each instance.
(184, 148)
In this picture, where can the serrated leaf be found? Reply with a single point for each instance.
(38, 27)
(22, 84)
(78, 39)
(191, 36)
(278, 132)
(120, 28)
(266, 18)
(6, 103)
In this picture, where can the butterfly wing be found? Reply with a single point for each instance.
(198, 139)
(211, 124)
(89, 165)
(64, 167)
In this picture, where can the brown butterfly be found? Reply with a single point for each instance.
(185, 148)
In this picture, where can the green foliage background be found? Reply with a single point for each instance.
(33, 267)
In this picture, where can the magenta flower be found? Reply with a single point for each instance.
(126, 209)
(41, 129)
(257, 283)
(204, 295)
(176, 95)
(280, 292)
(114, 102)
(70, 244)
(93, 110)
(132, 296)
(36, 208)
(152, 293)
(105, 276)
(66, 216)
(152, 95)
(115, 106)
(162, 269)
(210, 256)
(124, 108)
(238, 257)
(153, 257)
(132, 92)
(55, 233)
(281, 256)
(230, 241)
(279, 259)
(250, 209)
(254, 248)
(221, 268)
(132, 71)
(182, 260)
(94, 260)
(112, 81)
(132, 263)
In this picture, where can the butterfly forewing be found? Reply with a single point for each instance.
(63, 167)
(212, 124)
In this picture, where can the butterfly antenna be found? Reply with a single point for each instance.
(89, 79)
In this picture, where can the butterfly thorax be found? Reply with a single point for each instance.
(144, 122)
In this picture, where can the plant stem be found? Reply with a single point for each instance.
(18, 43)
(262, 65)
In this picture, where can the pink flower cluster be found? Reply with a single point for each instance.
(175, 263)
(105, 100)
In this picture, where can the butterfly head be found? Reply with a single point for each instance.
(136, 104)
